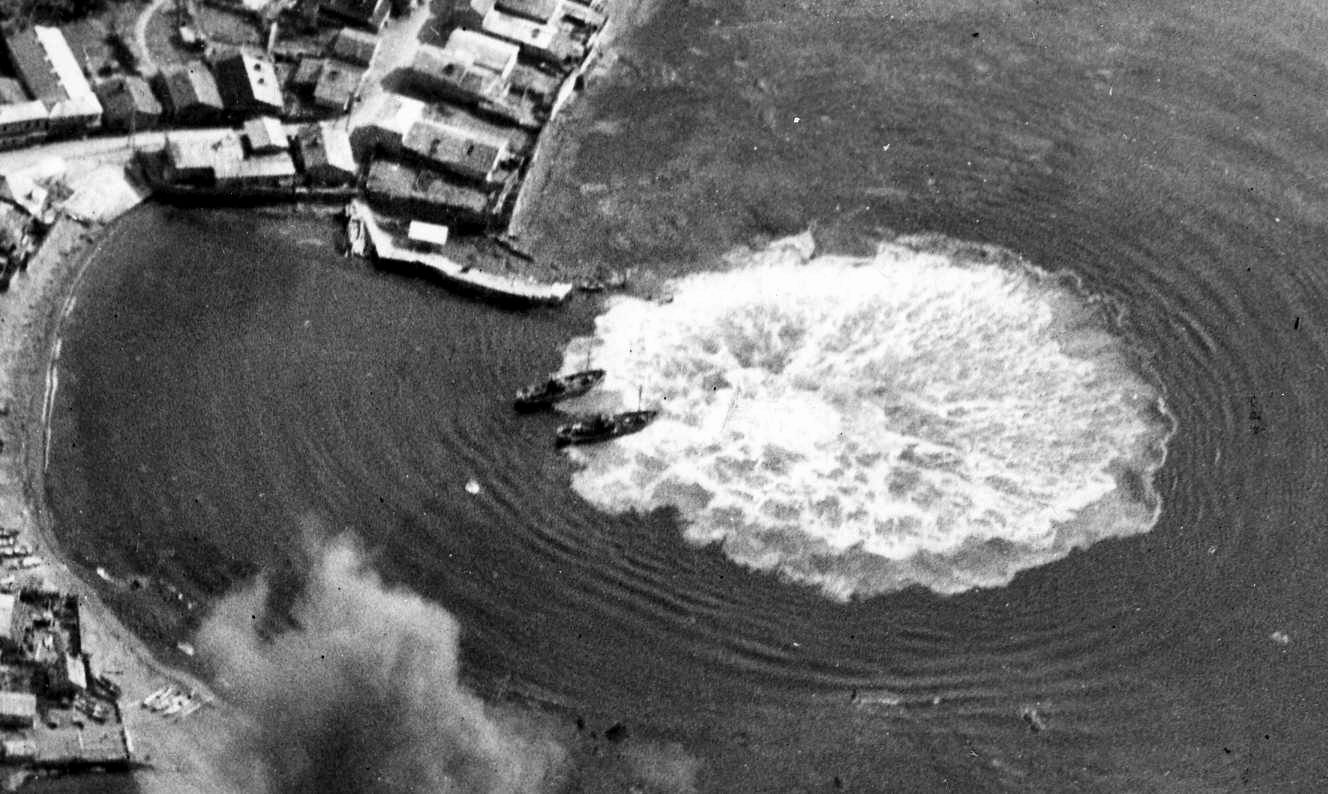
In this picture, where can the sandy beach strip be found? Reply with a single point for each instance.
(178, 755)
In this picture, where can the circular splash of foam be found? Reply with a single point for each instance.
(928, 416)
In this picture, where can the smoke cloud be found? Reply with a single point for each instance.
(363, 694)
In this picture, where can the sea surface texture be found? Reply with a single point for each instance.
(1015, 482)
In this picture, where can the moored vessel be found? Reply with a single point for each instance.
(602, 427)
(557, 388)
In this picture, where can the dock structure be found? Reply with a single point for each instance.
(492, 285)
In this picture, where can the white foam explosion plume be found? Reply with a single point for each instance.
(862, 425)
(363, 695)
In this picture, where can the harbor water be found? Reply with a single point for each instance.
(1031, 498)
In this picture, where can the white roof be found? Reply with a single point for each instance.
(428, 232)
(19, 112)
(515, 28)
(18, 703)
(265, 132)
(399, 113)
(63, 63)
(7, 601)
(473, 47)
(336, 146)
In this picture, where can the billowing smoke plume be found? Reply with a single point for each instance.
(364, 694)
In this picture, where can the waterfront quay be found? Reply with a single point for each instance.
(432, 115)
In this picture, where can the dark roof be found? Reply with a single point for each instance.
(307, 73)
(246, 79)
(192, 84)
(11, 91)
(370, 13)
(355, 46)
(398, 181)
(29, 59)
(337, 84)
(452, 149)
(129, 93)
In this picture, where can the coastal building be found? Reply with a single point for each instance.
(457, 151)
(439, 75)
(248, 84)
(128, 104)
(338, 85)
(18, 709)
(25, 191)
(18, 751)
(534, 10)
(221, 162)
(190, 95)
(367, 14)
(546, 42)
(357, 47)
(43, 62)
(384, 133)
(22, 123)
(326, 156)
(479, 51)
(425, 194)
(265, 135)
(427, 234)
(197, 162)
(54, 713)
(268, 171)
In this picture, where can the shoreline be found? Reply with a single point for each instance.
(170, 755)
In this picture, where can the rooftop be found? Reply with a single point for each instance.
(355, 46)
(265, 133)
(454, 149)
(486, 52)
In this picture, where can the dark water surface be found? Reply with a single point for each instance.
(225, 377)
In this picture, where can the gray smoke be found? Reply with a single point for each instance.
(363, 695)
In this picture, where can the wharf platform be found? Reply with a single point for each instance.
(463, 277)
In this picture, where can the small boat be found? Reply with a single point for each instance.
(150, 699)
(158, 700)
(560, 387)
(602, 427)
(176, 703)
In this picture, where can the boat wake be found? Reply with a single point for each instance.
(939, 415)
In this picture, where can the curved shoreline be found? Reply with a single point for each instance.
(176, 755)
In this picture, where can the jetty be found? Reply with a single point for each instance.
(382, 245)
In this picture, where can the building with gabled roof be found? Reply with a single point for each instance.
(129, 104)
(48, 69)
(248, 84)
(355, 46)
(369, 14)
(454, 150)
(536, 10)
(22, 123)
(326, 154)
(265, 135)
(337, 86)
(425, 194)
(190, 94)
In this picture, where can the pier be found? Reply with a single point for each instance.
(498, 287)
